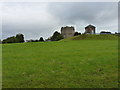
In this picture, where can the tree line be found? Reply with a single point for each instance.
(19, 38)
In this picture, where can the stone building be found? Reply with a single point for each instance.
(90, 29)
(67, 31)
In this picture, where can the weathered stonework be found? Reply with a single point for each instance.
(90, 29)
(67, 31)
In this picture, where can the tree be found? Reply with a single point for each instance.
(20, 37)
(76, 33)
(31, 40)
(41, 39)
(115, 32)
(48, 39)
(12, 39)
(56, 36)
(105, 32)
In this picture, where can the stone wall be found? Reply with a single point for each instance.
(67, 31)
(90, 29)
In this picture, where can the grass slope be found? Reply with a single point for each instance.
(92, 37)
(79, 63)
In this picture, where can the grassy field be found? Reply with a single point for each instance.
(92, 37)
(66, 64)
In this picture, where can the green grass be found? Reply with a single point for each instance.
(66, 64)
(92, 37)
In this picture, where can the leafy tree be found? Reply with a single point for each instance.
(56, 36)
(36, 40)
(41, 39)
(12, 39)
(48, 39)
(76, 33)
(105, 32)
(20, 37)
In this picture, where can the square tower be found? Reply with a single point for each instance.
(67, 31)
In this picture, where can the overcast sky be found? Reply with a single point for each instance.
(36, 19)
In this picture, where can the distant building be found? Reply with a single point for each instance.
(90, 29)
(104, 32)
(67, 31)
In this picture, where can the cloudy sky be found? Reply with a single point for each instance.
(36, 19)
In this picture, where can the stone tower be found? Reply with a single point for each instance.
(67, 31)
(90, 29)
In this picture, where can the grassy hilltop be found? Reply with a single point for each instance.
(93, 37)
(69, 63)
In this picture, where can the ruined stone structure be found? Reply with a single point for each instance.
(90, 29)
(67, 31)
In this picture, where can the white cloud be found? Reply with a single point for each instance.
(28, 18)
(36, 19)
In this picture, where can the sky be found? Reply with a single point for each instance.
(42, 19)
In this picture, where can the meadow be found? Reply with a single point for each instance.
(61, 64)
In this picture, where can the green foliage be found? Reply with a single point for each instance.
(41, 39)
(62, 64)
(18, 39)
(11, 40)
(56, 36)
(76, 33)
(31, 40)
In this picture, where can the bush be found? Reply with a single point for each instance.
(76, 33)
(11, 40)
(56, 36)
(18, 39)
(41, 39)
